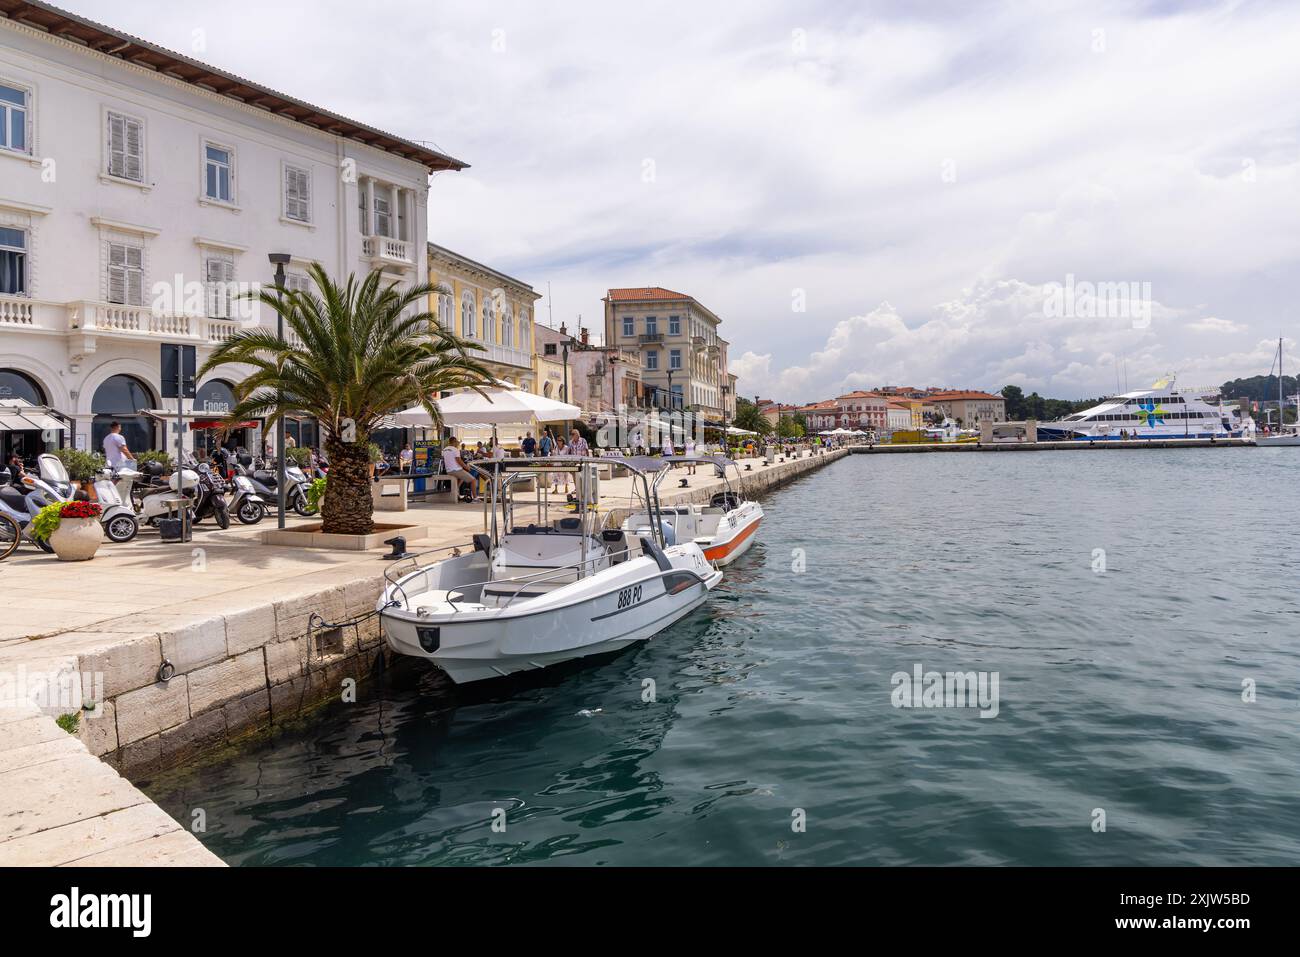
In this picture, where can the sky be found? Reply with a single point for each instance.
(866, 193)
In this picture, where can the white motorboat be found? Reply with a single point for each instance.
(725, 528)
(541, 592)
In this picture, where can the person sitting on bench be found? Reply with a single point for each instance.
(456, 468)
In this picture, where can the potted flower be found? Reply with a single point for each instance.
(71, 528)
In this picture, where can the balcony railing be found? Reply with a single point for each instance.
(505, 354)
(385, 249)
(113, 319)
(650, 337)
(17, 312)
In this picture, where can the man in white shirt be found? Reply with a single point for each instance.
(115, 450)
(455, 466)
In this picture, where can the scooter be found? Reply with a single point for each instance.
(154, 495)
(117, 518)
(264, 482)
(22, 502)
(248, 506)
(210, 497)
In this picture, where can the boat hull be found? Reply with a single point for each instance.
(1277, 440)
(570, 623)
(724, 552)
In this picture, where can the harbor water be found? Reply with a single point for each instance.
(1131, 621)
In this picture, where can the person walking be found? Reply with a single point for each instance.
(529, 445)
(690, 451)
(547, 444)
(115, 450)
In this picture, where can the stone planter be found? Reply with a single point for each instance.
(76, 539)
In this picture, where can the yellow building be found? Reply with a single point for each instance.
(494, 311)
(489, 308)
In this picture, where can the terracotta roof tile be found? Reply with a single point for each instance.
(644, 293)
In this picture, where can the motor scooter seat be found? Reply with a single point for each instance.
(13, 498)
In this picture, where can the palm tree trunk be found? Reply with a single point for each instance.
(347, 507)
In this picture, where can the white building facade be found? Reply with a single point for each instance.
(136, 185)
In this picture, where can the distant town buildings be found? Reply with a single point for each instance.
(968, 409)
(889, 409)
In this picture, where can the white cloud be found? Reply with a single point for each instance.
(993, 335)
(1173, 157)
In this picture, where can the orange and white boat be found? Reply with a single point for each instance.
(724, 529)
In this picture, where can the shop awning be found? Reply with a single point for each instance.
(19, 415)
(199, 425)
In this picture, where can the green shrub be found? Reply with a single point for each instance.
(300, 457)
(82, 466)
(314, 492)
(143, 458)
(376, 454)
(46, 521)
(69, 722)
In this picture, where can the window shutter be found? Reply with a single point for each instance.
(134, 150)
(116, 273)
(297, 194)
(116, 146)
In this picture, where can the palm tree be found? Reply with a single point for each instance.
(352, 354)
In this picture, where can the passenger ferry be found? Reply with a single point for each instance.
(1161, 412)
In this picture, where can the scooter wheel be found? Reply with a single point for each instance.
(250, 513)
(121, 529)
(222, 517)
(300, 506)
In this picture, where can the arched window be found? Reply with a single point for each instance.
(508, 327)
(525, 327)
(214, 397)
(489, 319)
(19, 385)
(120, 399)
(446, 314)
(467, 314)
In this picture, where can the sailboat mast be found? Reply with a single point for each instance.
(1279, 384)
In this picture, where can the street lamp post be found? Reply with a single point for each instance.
(278, 260)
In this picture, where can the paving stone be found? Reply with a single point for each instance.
(196, 645)
(233, 678)
(249, 629)
(99, 732)
(150, 710)
(59, 792)
(80, 839)
(175, 849)
(249, 713)
(202, 733)
(285, 660)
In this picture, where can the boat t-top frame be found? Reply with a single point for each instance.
(505, 474)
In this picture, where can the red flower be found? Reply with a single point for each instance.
(80, 510)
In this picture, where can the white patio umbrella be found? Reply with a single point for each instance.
(494, 407)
